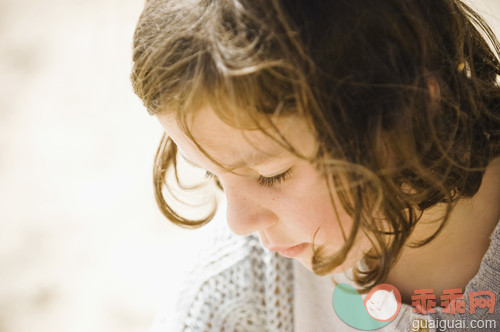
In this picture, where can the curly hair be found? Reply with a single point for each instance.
(403, 97)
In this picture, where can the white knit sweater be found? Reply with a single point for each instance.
(237, 285)
(240, 286)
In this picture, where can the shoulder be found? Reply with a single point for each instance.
(489, 270)
(488, 278)
(484, 285)
(236, 285)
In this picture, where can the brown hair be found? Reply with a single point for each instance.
(402, 95)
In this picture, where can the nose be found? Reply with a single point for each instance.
(245, 213)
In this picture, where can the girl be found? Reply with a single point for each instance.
(350, 135)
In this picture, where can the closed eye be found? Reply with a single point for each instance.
(274, 180)
(265, 181)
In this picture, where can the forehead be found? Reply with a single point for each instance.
(236, 148)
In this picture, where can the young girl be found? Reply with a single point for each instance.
(349, 135)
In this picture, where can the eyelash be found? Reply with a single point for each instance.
(274, 180)
(266, 181)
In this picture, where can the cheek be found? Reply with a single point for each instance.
(331, 216)
(308, 203)
(332, 223)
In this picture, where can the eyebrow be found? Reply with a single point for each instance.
(251, 159)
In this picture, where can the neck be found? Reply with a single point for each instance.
(454, 256)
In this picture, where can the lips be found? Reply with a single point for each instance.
(289, 252)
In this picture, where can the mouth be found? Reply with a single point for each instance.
(290, 252)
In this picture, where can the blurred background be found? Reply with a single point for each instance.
(82, 244)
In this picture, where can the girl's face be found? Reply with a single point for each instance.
(271, 192)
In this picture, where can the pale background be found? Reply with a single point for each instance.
(82, 245)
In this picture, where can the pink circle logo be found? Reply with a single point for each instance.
(383, 302)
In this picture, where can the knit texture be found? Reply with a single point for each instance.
(237, 286)
(240, 286)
